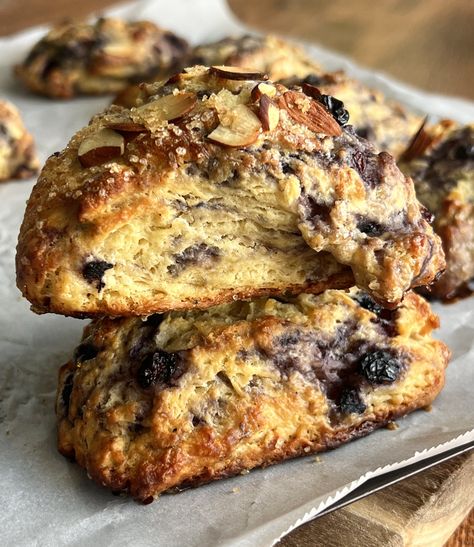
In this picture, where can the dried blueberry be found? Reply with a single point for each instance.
(351, 402)
(336, 107)
(366, 302)
(200, 253)
(93, 272)
(370, 227)
(380, 367)
(157, 368)
(85, 352)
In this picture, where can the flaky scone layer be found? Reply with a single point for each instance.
(227, 200)
(189, 397)
(17, 149)
(443, 172)
(77, 58)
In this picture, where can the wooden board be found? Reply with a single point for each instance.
(422, 511)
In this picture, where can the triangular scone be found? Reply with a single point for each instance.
(139, 215)
(190, 397)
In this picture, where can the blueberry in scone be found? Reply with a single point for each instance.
(374, 117)
(440, 159)
(184, 398)
(104, 57)
(219, 186)
(17, 150)
(268, 54)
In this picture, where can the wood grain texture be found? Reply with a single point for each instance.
(428, 43)
(422, 511)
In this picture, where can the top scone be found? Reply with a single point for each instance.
(219, 186)
(104, 57)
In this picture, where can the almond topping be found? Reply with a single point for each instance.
(418, 145)
(237, 73)
(263, 89)
(269, 113)
(169, 107)
(127, 126)
(308, 112)
(102, 146)
(241, 128)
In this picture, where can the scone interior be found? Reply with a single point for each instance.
(441, 162)
(219, 186)
(17, 149)
(188, 397)
(79, 58)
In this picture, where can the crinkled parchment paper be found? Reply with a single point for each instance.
(47, 501)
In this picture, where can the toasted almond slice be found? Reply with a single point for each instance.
(127, 126)
(263, 89)
(169, 107)
(102, 146)
(237, 73)
(310, 113)
(418, 145)
(241, 129)
(269, 113)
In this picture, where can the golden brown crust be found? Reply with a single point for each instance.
(208, 206)
(441, 162)
(17, 150)
(79, 58)
(190, 397)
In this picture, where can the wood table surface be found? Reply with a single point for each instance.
(427, 43)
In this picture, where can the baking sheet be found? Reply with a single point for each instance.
(47, 501)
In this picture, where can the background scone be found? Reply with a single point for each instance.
(17, 150)
(374, 117)
(269, 55)
(185, 398)
(441, 161)
(104, 57)
(210, 191)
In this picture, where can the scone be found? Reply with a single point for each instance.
(17, 150)
(104, 57)
(441, 161)
(219, 187)
(270, 55)
(374, 117)
(186, 398)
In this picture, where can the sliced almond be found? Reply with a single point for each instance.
(237, 73)
(102, 146)
(269, 113)
(420, 142)
(242, 128)
(169, 107)
(263, 89)
(310, 113)
(127, 126)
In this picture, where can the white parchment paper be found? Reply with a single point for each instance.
(47, 501)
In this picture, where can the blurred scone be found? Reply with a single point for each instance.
(17, 150)
(186, 398)
(270, 55)
(374, 117)
(218, 187)
(440, 160)
(104, 57)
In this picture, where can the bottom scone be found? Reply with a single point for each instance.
(187, 397)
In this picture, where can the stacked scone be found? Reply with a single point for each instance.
(248, 262)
